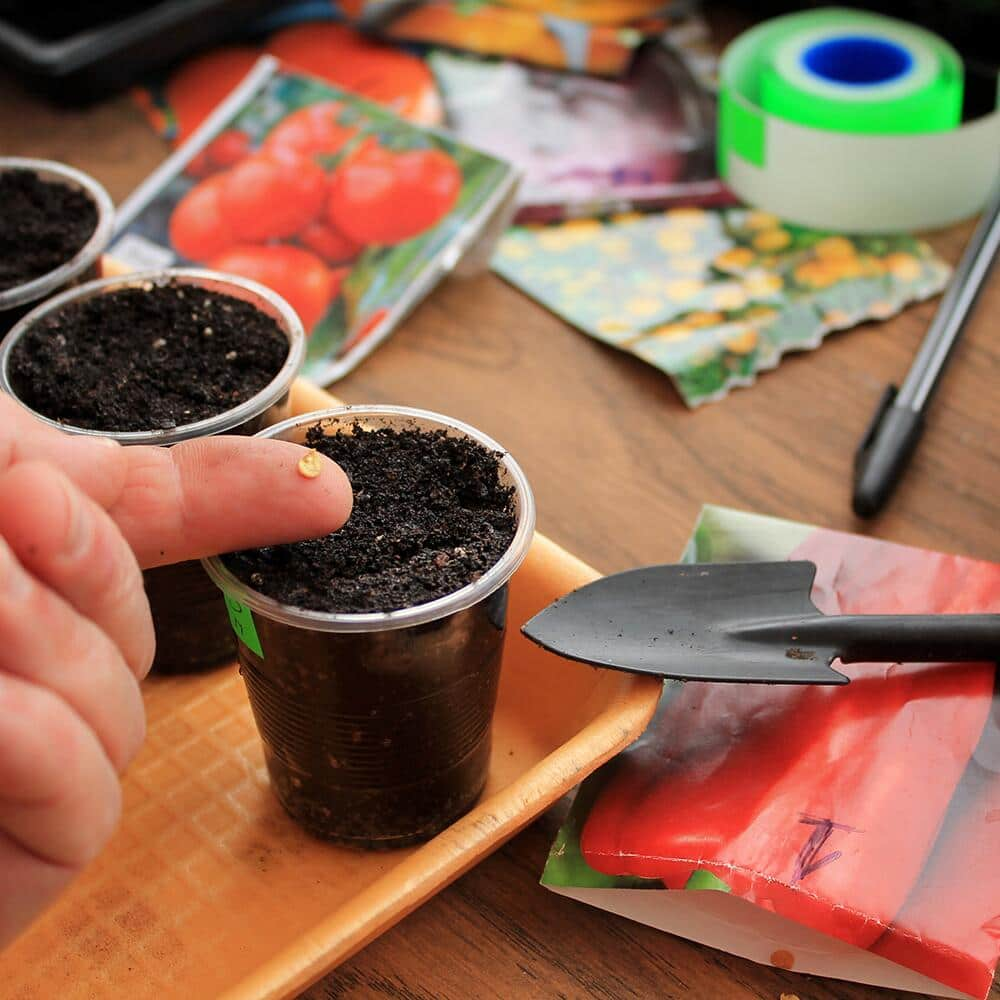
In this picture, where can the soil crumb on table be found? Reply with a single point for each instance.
(43, 224)
(430, 516)
(151, 358)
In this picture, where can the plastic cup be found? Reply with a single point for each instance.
(16, 301)
(192, 626)
(376, 727)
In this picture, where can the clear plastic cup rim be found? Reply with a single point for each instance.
(39, 287)
(419, 614)
(228, 420)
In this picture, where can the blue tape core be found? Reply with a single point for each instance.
(857, 60)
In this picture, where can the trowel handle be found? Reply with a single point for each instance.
(886, 638)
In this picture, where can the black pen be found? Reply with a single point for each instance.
(893, 433)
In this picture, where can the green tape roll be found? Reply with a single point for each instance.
(857, 72)
(846, 120)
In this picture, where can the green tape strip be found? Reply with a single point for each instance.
(241, 618)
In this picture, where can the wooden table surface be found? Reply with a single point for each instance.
(620, 468)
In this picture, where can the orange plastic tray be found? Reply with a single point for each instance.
(209, 890)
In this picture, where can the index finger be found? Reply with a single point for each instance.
(195, 499)
(217, 494)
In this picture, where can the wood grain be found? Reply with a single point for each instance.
(620, 468)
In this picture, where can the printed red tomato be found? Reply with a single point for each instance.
(377, 196)
(195, 90)
(269, 197)
(297, 275)
(223, 151)
(198, 227)
(312, 131)
(331, 244)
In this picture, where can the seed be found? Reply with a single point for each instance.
(230, 355)
(159, 342)
(310, 465)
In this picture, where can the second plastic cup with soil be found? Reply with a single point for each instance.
(376, 726)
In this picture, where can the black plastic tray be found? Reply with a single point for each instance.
(76, 53)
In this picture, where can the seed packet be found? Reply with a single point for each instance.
(588, 146)
(850, 831)
(350, 213)
(713, 296)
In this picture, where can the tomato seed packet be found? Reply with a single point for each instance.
(349, 212)
(851, 832)
(711, 297)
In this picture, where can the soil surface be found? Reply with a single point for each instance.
(152, 358)
(43, 224)
(430, 516)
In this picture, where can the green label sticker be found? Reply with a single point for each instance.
(241, 618)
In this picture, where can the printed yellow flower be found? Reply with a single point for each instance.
(688, 265)
(760, 314)
(761, 284)
(815, 273)
(688, 218)
(675, 240)
(582, 229)
(683, 288)
(772, 239)
(672, 331)
(729, 297)
(836, 318)
(703, 318)
(735, 259)
(834, 248)
(644, 306)
(742, 342)
(613, 325)
(903, 265)
(625, 218)
(761, 220)
(844, 267)
(514, 249)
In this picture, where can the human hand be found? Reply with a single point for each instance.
(79, 516)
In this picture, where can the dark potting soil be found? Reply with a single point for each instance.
(151, 358)
(430, 516)
(43, 224)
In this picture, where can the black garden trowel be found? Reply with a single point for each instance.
(750, 622)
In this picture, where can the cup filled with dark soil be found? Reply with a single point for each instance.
(372, 655)
(55, 222)
(155, 359)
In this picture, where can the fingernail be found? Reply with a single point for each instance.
(78, 531)
(106, 441)
(15, 584)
